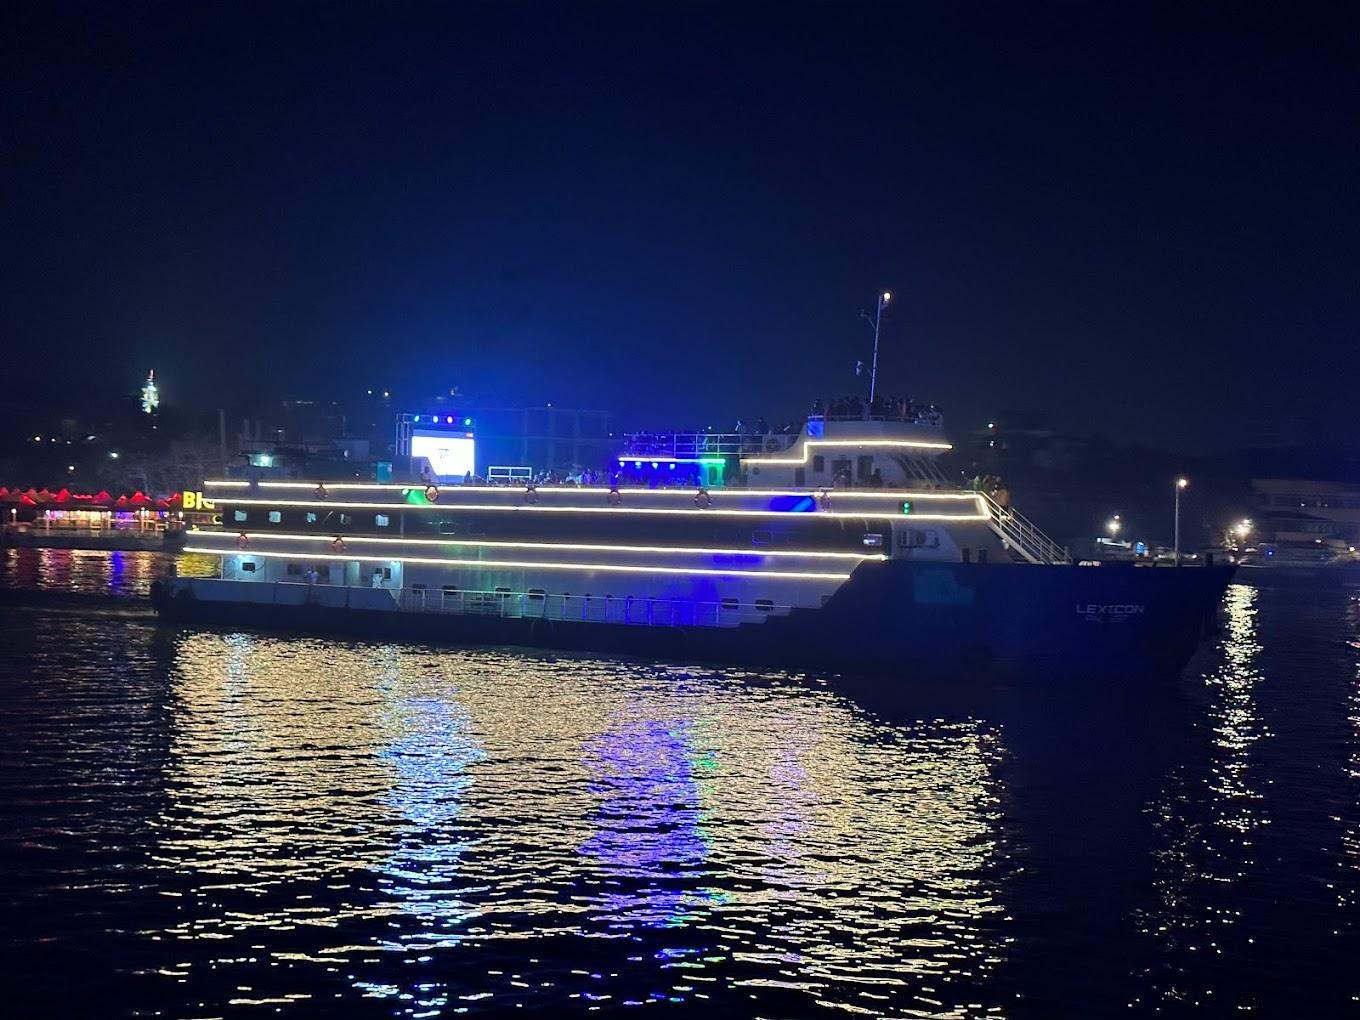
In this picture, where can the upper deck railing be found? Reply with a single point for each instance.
(698, 445)
(760, 440)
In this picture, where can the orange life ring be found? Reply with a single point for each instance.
(702, 499)
(338, 544)
(615, 497)
(432, 493)
(530, 494)
(242, 541)
(321, 492)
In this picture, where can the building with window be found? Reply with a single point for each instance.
(1292, 510)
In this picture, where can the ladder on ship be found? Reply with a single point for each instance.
(1021, 535)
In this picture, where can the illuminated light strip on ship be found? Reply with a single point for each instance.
(337, 504)
(673, 460)
(616, 568)
(919, 444)
(573, 546)
(509, 490)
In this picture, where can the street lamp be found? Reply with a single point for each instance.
(1181, 483)
(1243, 529)
(1113, 526)
(883, 300)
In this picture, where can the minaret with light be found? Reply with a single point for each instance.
(151, 398)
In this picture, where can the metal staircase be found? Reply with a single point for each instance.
(1021, 535)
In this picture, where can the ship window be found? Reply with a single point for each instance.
(346, 519)
(873, 541)
(417, 587)
(502, 592)
(818, 464)
(915, 538)
(730, 603)
(248, 566)
(799, 477)
(275, 516)
(382, 520)
(295, 570)
(864, 467)
(765, 605)
(240, 516)
(537, 593)
(450, 589)
(311, 517)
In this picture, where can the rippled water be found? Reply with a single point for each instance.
(213, 824)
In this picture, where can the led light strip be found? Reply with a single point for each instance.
(529, 508)
(787, 575)
(512, 490)
(573, 546)
(808, 444)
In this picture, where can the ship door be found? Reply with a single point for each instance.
(352, 573)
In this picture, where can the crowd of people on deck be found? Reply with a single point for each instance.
(884, 408)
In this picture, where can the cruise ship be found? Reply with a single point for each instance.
(838, 545)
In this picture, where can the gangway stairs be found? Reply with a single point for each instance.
(1022, 536)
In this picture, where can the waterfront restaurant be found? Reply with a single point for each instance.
(34, 509)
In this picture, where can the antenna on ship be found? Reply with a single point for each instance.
(876, 322)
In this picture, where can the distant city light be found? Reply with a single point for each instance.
(113, 454)
(1113, 526)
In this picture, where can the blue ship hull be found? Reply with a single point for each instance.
(895, 617)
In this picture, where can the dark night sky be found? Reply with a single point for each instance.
(1136, 220)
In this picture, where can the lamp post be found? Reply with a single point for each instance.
(1113, 526)
(883, 300)
(1181, 483)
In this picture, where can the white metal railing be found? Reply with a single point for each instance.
(635, 610)
(1022, 534)
(705, 444)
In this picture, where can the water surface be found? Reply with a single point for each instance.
(202, 823)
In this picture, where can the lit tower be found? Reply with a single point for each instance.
(151, 398)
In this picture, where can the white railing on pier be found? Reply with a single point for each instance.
(633, 610)
(1021, 534)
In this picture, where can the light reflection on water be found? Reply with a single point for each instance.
(206, 824)
(1207, 821)
(664, 836)
(96, 571)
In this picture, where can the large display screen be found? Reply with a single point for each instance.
(452, 457)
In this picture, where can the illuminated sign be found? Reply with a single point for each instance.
(193, 499)
(906, 506)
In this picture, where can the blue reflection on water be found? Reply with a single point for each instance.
(648, 837)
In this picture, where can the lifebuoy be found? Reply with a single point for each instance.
(615, 497)
(320, 492)
(338, 544)
(242, 541)
(530, 495)
(432, 493)
(702, 499)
